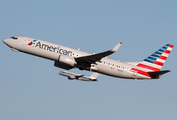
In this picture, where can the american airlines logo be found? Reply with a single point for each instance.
(32, 42)
(50, 48)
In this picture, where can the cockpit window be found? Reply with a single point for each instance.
(14, 38)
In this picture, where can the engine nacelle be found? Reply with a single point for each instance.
(61, 65)
(67, 60)
(72, 77)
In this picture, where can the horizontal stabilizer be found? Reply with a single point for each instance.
(157, 74)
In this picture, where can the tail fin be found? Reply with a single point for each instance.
(155, 61)
(94, 75)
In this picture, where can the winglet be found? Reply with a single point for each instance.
(116, 47)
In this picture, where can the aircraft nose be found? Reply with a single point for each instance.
(6, 41)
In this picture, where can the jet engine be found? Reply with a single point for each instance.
(65, 62)
(72, 77)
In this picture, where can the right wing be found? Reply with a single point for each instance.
(96, 57)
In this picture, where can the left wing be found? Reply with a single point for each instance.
(97, 57)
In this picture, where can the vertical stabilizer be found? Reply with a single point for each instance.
(155, 61)
(94, 75)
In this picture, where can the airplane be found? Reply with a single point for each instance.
(69, 58)
(72, 76)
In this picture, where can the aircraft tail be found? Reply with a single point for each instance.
(155, 61)
(94, 75)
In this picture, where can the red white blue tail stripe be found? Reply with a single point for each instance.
(154, 62)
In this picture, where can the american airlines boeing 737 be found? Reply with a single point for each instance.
(68, 58)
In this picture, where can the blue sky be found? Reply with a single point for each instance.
(30, 87)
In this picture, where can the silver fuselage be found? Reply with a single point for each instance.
(52, 51)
